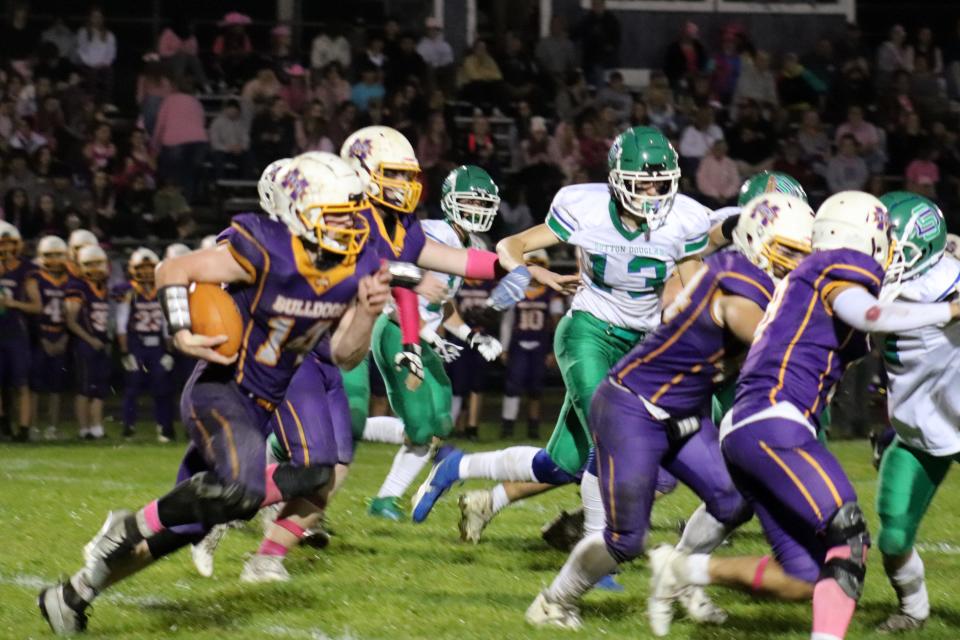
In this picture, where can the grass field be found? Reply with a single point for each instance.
(379, 579)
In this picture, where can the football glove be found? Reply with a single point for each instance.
(129, 362)
(510, 290)
(411, 359)
(166, 361)
(680, 428)
(447, 351)
(487, 346)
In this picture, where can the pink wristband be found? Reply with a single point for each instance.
(758, 574)
(408, 315)
(481, 265)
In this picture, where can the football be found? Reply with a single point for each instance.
(213, 313)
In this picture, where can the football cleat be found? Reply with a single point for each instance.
(203, 551)
(565, 531)
(609, 583)
(64, 618)
(900, 622)
(260, 568)
(107, 541)
(664, 589)
(161, 438)
(476, 512)
(443, 475)
(317, 537)
(700, 607)
(544, 613)
(386, 508)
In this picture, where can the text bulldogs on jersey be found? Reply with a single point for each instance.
(308, 308)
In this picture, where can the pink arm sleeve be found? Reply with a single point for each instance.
(481, 265)
(408, 313)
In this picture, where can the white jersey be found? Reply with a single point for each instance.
(622, 272)
(923, 393)
(719, 215)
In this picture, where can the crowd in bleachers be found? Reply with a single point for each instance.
(536, 113)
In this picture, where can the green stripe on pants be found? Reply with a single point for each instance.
(426, 411)
(586, 349)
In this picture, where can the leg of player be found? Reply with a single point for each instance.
(81, 409)
(160, 371)
(533, 417)
(132, 387)
(96, 418)
(53, 416)
(509, 411)
(908, 481)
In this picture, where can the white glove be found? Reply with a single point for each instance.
(447, 351)
(410, 359)
(129, 362)
(487, 346)
(167, 362)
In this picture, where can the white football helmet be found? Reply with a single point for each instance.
(267, 186)
(318, 186)
(52, 254)
(772, 229)
(10, 241)
(176, 250)
(853, 220)
(141, 266)
(78, 239)
(208, 242)
(386, 163)
(93, 262)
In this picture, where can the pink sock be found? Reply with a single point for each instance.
(271, 548)
(151, 518)
(832, 607)
(273, 492)
(292, 527)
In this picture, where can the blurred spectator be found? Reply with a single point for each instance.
(232, 47)
(272, 134)
(951, 60)
(726, 69)
(436, 52)
(153, 85)
(922, 174)
(311, 130)
(258, 92)
(520, 73)
(925, 48)
(62, 37)
(181, 138)
(599, 35)
(867, 137)
(537, 148)
(897, 104)
(282, 54)
(230, 142)
(66, 195)
(179, 52)
(97, 50)
(333, 89)
(514, 215)
(433, 145)
(480, 79)
(799, 88)
(99, 152)
(893, 56)
(104, 210)
(813, 141)
(43, 165)
(904, 143)
(24, 137)
(373, 56)
(405, 65)
(170, 208)
(752, 140)
(756, 81)
(853, 50)
(45, 219)
(616, 96)
(16, 211)
(555, 53)
(792, 162)
(481, 147)
(19, 175)
(369, 88)
(847, 171)
(343, 124)
(593, 150)
(295, 92)
(574, 97)
(698, 139)
(19, 38)
(718, 180)
(660, 111)
(139, 160)
(49, 64)
(821, 63)
(7, 118)
(329, 46)
(853, 88)
(567, 148)
(135, 209)
(686, 57)
(391, 38)
(926, 92)
(638, 115)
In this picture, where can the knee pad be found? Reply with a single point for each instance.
(301, 482)
(167, 541)
(546, 470)
(847, 527)
(211, 501)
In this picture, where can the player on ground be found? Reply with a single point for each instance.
(142, 337)
(921, 398)
(528, 330)
(48, 363)
(20, 295)
(632, 234)
(651, 410)
(292, 282)
(88, 319)
(812, 330)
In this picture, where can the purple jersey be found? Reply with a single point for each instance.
(801, 349)
(677, 366)
(407, 241)
(532, 316)
(94, 314)
(145, 324)
(12, 325)
(52, 321)
(292, 303)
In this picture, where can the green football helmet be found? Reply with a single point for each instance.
(640, 156)
(919, 234)
(469, 197)
(768, 182)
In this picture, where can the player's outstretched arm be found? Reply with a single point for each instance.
(858, 308)
(511, 249)
(351, 341)
(216, 265)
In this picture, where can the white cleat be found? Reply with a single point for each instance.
(264, 569)
(700, 607)
(476, 512)
(664, 589)
(202, 552)
(544, 613)
(50, 434)
(63, 619)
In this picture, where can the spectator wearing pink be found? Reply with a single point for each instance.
(717, 177)
(181, 138)
(100, 151)
(923, 174)
(567, 148)
(179, 51)
(232, 47)
(311, 130)
(866, 135)
(97, 50)
(295, 92)
(333, 89)
(153, 85)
